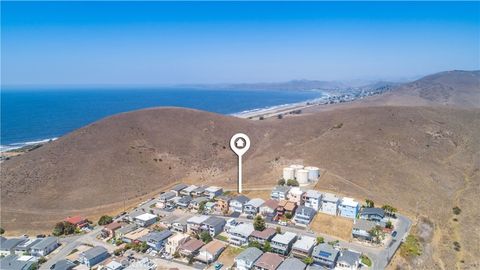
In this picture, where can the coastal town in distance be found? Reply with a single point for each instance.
(209, 227)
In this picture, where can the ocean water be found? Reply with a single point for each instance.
(35, 115)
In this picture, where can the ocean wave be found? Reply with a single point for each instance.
(13, 146)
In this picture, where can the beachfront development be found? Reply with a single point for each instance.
(209, 227)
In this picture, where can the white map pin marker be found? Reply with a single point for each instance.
(239, 144)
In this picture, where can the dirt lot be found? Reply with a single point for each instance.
(333, 225)
(228, 255)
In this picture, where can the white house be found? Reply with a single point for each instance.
(280, 192)
(213, 191)
(348, 208)
(239, 234)
(295, 195)
(145, 220)
(210, 251)
(252, 207)
(348, 260)
(330, 204)
(313, 199)
(44, 247)
(236, 204)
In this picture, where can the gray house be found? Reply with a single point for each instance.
(325, 255)
(157, 240)
(304, 215)
(348, 260)
(213, 225)
(44, 247)
(7, 247)
(178, 188)
(291, 264)
(12, 262)
(93, 256)
(280, 193)
(184, 202)
(236, 204)
(247, 258)
(361, 229)
(26, 246)
(372, 214)
(252, 207)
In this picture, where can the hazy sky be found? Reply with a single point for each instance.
(167, 43)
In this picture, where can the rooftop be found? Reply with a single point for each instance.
(245, 229)
(197, 219)
(14, 262)
(11, 243)
(250, 254)
(325, 251)
(304, 243)
(364, 225)
(192, 245)
(75, 220)
(265, 234)
(296, 191)
(349, 202)
(241, 198)
(306, 211)
(292, 263)
(190, 188)
(167, 195)
(256, 202)
(313, 194)
(46, 242)
(373, 211)
(94, 252)
(272, 204)
(214, 221)
(284, 238)
(213, 246)
(200, 199)
(287, 205)
(349, 257)
(157, 236)
(284, 189)
(145, 217)
(269, 261)
(329, 197)
(213, 189)
(113, 226)
(179, 187)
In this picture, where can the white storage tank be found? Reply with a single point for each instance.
(296, 167)
(302, 176)
(313, 173)
(288, 173)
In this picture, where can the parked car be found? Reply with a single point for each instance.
(218, 266)
(394, 233)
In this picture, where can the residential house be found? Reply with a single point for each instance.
(15, 262)
(285, 207)
(246, 259)
(178, 188)
(109, 229)
(372, 214)
(268, 208)
(330, 204)
(174, 242)
(295, 195)
(195, 203)
(119, 233)
(188, 190)
(292, 264)
(198, 191)
(303, 247)
(7, 247)
(210, 252)
(313, 199)
(279, 193)
(268, 261)
(194, 224)
(190, 248)
(156, 240)
(78, 221)
(230, 224)
(135, 235)
(239, 234)
(325, 255)
(213, 225)
(348, 260)
(63, 265)
(304, 215)
(93, 256)
(262, 236)
(179, 227)
(253, 206)
(165, 198)
(209, 207)
(184, 202)
(348, 208)
(143, 264)
(25, 247)
(44, 247)
(361, 228)
(114, 265)
(282, 243)
(236, 204)
(213, 191)
(222, 204)
(145, 220)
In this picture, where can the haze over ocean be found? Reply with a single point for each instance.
(33, 115)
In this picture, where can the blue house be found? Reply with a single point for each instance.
(348, 208)
(157, 240)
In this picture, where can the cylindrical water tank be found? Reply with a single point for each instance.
(302, 176)
(288, 173)
(313, 173)
(296, 167)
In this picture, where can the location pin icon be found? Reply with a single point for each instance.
(239, 143)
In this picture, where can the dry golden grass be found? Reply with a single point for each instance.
(228, 255)
(332, 225)
(262, 194)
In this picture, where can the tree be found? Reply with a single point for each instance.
(369, 203)
(255, 244)
(292, 183)
(308, 260)
(201, 206)
(281, 182)
(205, 237)
(259, 223)
(376, 234)
(267, 247)
(58, 229)
(320, 240)
(104, 220)
(2, 231)
(389, 210)
(288, 215)
(278, 229)
(42, 260)
(117, 252)
(389, 225)
(280, 116)
(69, 228)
